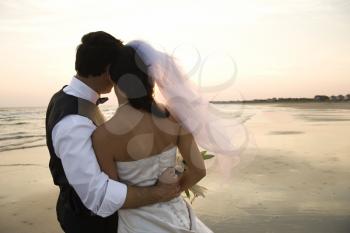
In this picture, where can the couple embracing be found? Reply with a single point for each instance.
(118, 176)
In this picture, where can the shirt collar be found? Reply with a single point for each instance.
(83, 91)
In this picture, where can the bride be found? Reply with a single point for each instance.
(138, 145)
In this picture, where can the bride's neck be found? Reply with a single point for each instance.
(120, 96)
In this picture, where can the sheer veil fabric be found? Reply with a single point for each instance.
(185, 101)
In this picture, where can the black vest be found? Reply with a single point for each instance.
(73, 216)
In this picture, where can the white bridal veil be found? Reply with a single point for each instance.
(185, 101)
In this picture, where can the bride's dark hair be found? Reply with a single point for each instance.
(130, 74)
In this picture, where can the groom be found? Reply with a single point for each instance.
(88, 200)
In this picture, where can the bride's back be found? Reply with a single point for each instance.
(133, 134)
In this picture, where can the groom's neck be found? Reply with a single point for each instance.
(92, 82)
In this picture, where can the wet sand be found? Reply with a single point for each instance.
(27, 194)
(293, 177)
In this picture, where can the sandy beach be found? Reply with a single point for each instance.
(293, 177)
(27, 195)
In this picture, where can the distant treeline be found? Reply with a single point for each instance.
(317, 98)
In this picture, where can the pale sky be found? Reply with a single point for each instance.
(289, 48)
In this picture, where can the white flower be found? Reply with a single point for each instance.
(198, 190)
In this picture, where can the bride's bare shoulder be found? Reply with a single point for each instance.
(110, 130)
(101, 134)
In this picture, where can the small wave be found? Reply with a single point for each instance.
(21, 165)
(14, 133)
(17, 123)
(21, 143)
(21, 147)
(20, 123)
(9, 119)
(21, 137)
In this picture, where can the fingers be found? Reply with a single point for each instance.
(169, 191)
(168, 176)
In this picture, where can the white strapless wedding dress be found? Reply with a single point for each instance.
(175, 216)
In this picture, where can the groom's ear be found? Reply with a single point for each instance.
(108, 75)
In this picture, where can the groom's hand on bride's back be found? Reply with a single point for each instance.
(167, 191)
(168, 185)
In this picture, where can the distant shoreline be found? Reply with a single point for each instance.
(315, 99)
(345, 105)
(279, 102)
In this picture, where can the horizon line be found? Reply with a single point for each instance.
(346, 98)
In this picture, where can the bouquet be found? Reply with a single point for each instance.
(170, 175)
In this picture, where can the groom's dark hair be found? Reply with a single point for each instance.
(96, 51)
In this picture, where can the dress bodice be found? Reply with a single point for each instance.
(145, 172)
(175, 216)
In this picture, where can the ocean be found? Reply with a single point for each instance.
(24, 127)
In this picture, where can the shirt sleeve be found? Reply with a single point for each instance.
(71, 139)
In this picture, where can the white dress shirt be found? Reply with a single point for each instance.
(71, 139)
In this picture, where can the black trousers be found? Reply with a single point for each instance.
(76, 221)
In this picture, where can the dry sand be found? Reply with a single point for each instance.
(294, 177)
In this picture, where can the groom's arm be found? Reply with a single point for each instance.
(72, 144)
(141, 196)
